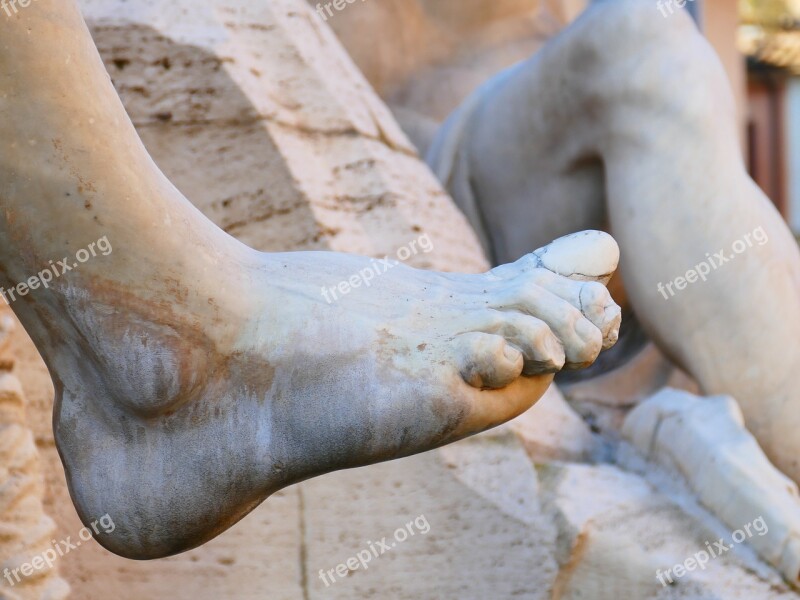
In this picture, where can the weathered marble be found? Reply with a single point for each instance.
(617, 534)
(25, 528)
(553, 431)
(167, 342)
(705, 441)
(231, 107)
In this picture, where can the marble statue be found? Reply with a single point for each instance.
(196, 376)
(255, 112)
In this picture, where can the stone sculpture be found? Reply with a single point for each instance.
(704, 440)
(165, 342)
(258, 116)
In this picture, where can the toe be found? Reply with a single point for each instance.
(541, 350)
(487, 361)
(563, 285)
(581, 339)
(596, 304)
(584, 256)
(591, 298)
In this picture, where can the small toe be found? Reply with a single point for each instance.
(581, 339)
(584, 350)
(488, 361)
(596, 304)
(590, 297)
(542, 351)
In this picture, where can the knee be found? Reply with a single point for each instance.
(629, 24)
(639, 58)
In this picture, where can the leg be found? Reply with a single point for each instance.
(196, 376)
(635, 110)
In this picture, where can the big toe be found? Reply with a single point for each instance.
(583, 256)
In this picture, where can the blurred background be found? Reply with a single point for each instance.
(768, 35)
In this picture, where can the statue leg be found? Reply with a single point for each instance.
(196, 376)
(627, 117)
